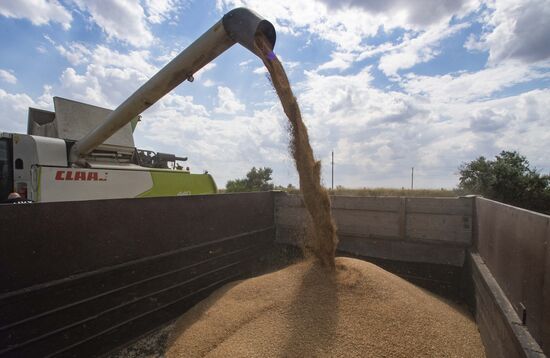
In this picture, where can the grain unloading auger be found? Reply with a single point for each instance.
(237, 26)
(83, 152)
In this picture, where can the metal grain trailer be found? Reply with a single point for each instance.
(70, 287)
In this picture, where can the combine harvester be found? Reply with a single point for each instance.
(36, 164)
(83, 152)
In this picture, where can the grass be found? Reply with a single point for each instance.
(380, 192)
(391, 192)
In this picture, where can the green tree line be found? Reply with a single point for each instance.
(508, 178)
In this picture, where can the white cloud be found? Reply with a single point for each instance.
(228, 148)
(120, 19)
(39, 12)
(45, 101)
(345, 28)
(49, 39)
(14, 109)
(208, 83)
(159, 11)
(472, 44)
(102, 86)
(76, 53)
(108, 78)
(515, 29)
(436, 124)
(339, 60)
(370, 130)
(7, 76)
(487, 127)
(420, 12)
(245, 63)
(82, 88)
(419, 49)
(352, 103)
(348, 26)
(135, 60)
(173, 105)
(469, 86)
(227, 102)
(168, 56)
(430, 122)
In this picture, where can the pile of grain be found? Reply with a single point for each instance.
(358, 311)
(323, 238)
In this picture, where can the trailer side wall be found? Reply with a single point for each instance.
(80, 278)
(515, 245)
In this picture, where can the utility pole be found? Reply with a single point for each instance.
(332, 170)
(412, 178)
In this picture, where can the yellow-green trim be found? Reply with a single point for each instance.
(172, 183)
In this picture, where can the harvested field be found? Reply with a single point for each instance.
(303, 310)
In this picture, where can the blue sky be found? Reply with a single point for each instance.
(386, 85)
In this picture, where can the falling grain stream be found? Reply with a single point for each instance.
(324, 240)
